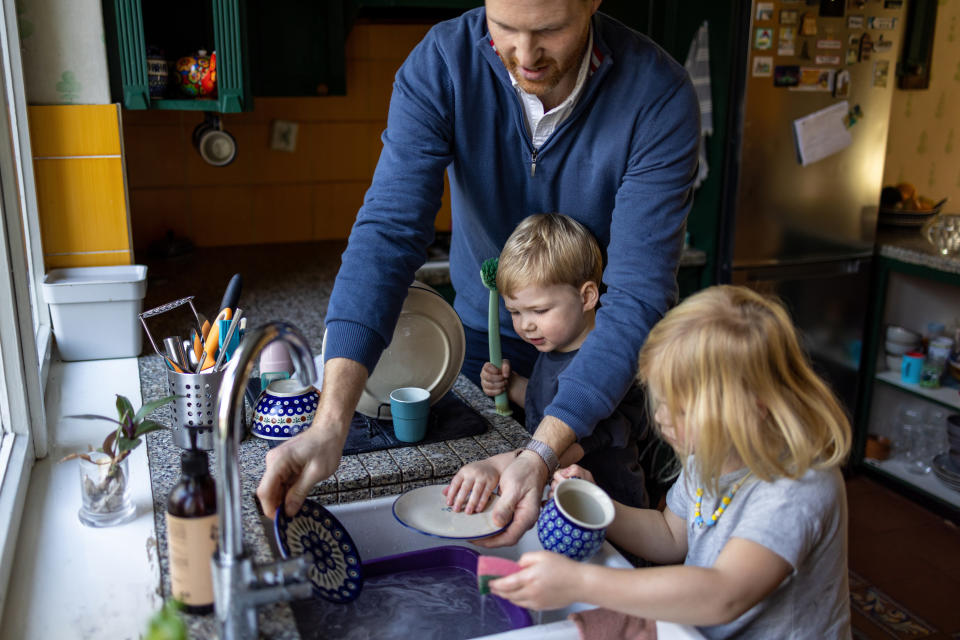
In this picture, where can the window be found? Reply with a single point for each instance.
(24, 321)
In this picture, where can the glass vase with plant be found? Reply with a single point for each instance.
(104, 473)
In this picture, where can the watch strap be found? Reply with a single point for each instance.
(546, 453)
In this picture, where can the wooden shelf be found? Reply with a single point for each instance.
(946, 395)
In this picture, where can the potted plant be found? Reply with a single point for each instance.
(104, 474)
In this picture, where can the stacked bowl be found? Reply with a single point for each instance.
(946, 466)
(898, 342)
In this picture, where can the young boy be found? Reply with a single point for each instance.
(549, 275)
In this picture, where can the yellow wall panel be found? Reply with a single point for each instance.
(74, 130)
(82, 205)
(106, 259)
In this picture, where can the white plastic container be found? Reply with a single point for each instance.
(95, 310)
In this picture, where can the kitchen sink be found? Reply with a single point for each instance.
(377, 534)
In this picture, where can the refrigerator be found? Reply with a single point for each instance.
(809, 113)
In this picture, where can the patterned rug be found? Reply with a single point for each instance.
(876, 615)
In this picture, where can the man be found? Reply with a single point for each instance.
(531, 106)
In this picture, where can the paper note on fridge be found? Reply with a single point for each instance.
(822, 133)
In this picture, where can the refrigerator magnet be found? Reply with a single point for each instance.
(853, 40)
(763, 38)
(882, 45)
(841, 84)
(855, 22)
(831, 59)
(881, 22)
(788, 33)
(764, 11)
(789, 16)
(881, 69)
(852, 56)
(786, 48)
(893, 4)
(762, 66)
(808, 24)
(866, 46)
(829, 43)
(858, 4)
(786, 75)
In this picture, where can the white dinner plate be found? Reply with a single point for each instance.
(426, 351)
(425, 510)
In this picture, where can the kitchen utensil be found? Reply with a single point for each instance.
(175, 353)
(211, 341)
(195, 408)
(164, 308)
(425, 510)
(227, 347)
(426, 351)
(231, 295)
(337, 572)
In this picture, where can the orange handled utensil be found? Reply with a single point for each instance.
(212, 339)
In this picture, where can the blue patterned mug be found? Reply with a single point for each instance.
(574, 521)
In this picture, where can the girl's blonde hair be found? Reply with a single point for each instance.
(547, 249)
(728, 362)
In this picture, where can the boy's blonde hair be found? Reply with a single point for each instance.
(729, 362)
(547, 249)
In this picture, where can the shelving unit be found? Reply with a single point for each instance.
(183, 27)
(911, 286)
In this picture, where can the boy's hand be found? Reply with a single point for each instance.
(494, 381)
(573, 471)
(471, 488)
(548, 581)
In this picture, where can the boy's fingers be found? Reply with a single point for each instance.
(505, 369)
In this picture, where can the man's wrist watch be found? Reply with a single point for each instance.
(546, 454)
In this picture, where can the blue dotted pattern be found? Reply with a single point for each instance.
(560, 535)
(276, 418)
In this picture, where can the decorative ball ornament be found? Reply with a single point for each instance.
(196, 75)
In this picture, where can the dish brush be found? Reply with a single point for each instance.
(488, 273)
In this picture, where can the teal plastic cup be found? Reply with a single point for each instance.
(409, 407)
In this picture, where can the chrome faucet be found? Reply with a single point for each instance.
(239, 585)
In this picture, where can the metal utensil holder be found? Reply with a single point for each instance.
(195, 408)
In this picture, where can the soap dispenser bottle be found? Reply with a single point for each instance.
(192, 533)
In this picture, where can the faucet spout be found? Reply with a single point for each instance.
(234, 589)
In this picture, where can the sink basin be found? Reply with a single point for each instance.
(377, 534)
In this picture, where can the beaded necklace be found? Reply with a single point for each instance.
(698, 519)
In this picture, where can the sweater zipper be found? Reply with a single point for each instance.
(533, 163)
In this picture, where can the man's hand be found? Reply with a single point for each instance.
(296, 466)
(521, 489)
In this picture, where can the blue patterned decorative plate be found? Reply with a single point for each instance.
(336, 573)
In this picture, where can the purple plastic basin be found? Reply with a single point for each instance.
(436, 557)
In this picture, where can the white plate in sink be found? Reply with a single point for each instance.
(426, 351)
(425, 510)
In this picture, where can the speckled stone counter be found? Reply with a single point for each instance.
(359, 477)
(913, 248)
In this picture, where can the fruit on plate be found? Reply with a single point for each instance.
(905, 197)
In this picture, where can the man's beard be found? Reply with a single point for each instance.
(556, 72)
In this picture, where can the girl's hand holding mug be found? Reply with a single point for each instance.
(573, 471)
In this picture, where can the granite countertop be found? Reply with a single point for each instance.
(911, 247)
(359, 477)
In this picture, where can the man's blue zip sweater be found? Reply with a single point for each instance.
(622, 164)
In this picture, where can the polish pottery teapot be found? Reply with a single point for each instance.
(196, 75)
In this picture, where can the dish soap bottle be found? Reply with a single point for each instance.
(192, 533)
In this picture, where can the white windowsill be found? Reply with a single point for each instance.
(70, 581)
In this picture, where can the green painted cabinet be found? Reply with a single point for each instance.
(179, 29)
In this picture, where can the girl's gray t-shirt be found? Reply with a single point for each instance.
(803, 521)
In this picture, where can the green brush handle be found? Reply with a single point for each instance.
(493, 333)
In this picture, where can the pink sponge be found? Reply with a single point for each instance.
(490, 568)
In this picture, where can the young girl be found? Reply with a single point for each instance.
(758, 516)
